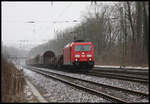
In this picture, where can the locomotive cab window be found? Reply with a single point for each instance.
(83, 48)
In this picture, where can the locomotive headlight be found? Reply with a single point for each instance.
(76, 59)
(89, 55)
(77, 55)
(90, 59)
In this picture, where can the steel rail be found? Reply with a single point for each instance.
(92, 91)
(143, 77)
(122, 71)
(115, 77)
(118, 77)
(98, 84)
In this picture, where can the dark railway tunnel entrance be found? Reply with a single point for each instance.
(49, 58)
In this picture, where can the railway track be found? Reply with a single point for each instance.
(125, 71)
(88, 86)
(127, 74)
(121, 69)
(128, 77)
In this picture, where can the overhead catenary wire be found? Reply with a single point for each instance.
(64, 21)
(63, 11)
(61, 14)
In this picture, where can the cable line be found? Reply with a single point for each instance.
(64, 10)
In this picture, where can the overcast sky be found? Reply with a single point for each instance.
(16, 14)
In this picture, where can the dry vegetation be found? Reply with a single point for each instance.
(119, 33)
(12, 83)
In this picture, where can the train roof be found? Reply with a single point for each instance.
(77, 42)
(81, 43)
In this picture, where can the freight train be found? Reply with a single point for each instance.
(77, 54)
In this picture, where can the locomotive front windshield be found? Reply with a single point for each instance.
(83, 48)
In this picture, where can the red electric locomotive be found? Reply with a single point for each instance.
(79, 53)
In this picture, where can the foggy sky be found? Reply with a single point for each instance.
(18, 32)
(15, 16)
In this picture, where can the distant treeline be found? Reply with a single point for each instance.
(119, 32)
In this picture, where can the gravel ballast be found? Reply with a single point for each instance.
(114, 82)
(28, 95)
(55, 91)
